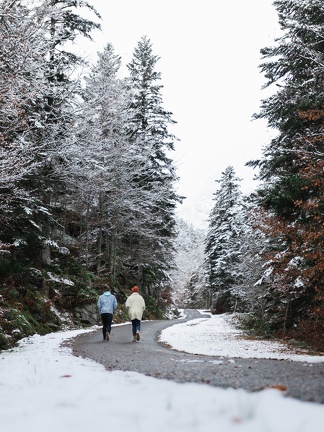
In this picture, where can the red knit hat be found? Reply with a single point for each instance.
(135, 289)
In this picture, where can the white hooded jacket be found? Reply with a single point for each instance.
(135, 305)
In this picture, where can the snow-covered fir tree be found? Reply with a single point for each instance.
(101, 158)
(21, 91)
(226, 246)
(149, 127)
(108, 162)
(38, 71)
(63, 24)
(291, 169)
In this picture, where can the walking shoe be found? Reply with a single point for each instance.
(134, 339)
(138, 335)
(107, 336)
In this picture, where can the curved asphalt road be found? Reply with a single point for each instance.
(303, 381)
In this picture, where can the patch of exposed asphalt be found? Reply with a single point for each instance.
(304, 381)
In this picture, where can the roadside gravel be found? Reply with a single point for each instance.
(149, 357)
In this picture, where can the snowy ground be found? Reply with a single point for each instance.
(218, 337)
(44, 387)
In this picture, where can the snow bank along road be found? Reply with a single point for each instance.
(149, 357)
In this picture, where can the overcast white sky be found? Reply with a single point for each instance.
(209, 55)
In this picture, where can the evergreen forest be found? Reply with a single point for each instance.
(88, 184)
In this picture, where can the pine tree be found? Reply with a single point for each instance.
(98, 146)
(149, 127)
(36, 133)
(223, 241)
(108, 161)
(22, 87)
(63, 25)
(291, 189)
(296, 65)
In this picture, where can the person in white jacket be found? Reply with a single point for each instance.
(135, 306)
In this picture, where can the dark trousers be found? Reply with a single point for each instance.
(106, 319)
(136, 325)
